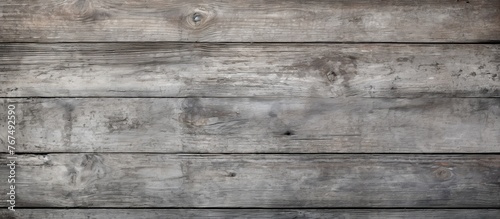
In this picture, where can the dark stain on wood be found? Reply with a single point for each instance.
(406, 59)
(122, 123)
(68, 122)
(201, 117)
(192, 110)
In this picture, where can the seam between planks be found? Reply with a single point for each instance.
(274, 208)
(222, 154)
(262, 42)
(230, 97)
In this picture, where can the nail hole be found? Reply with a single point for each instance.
(231, 174)
(289, 132)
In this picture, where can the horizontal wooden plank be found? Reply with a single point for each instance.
(256, 125)
(247, 213)
(250, 21)
(267, 181)
(236, 70)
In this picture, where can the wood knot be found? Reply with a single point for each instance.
(45, 159)
(86, 169)
(199, 18)
(443, 173)
(83, 10)
(331, 76)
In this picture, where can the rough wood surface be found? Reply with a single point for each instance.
(270, 181)
(250, 125)
(250, 21)
(247, 214)
(236, 70)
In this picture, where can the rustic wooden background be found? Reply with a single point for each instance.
(252, 109)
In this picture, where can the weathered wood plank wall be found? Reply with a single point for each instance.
(252, 109)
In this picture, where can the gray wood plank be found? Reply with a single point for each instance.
(236, 70)
(248, 213)
(256, 125)
(250, 21)
(267, 181)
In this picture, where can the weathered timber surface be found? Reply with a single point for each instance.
(247, 213)
(256, 125)
(236, 70)
(250, 21)
(270, 181)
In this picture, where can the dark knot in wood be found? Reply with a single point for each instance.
(443, 173)
(197, 17)
(331, 75)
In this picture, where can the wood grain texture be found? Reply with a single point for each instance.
(256, 125)
(270, 181)
(250, 21)
(247, 214)
(236, 70)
